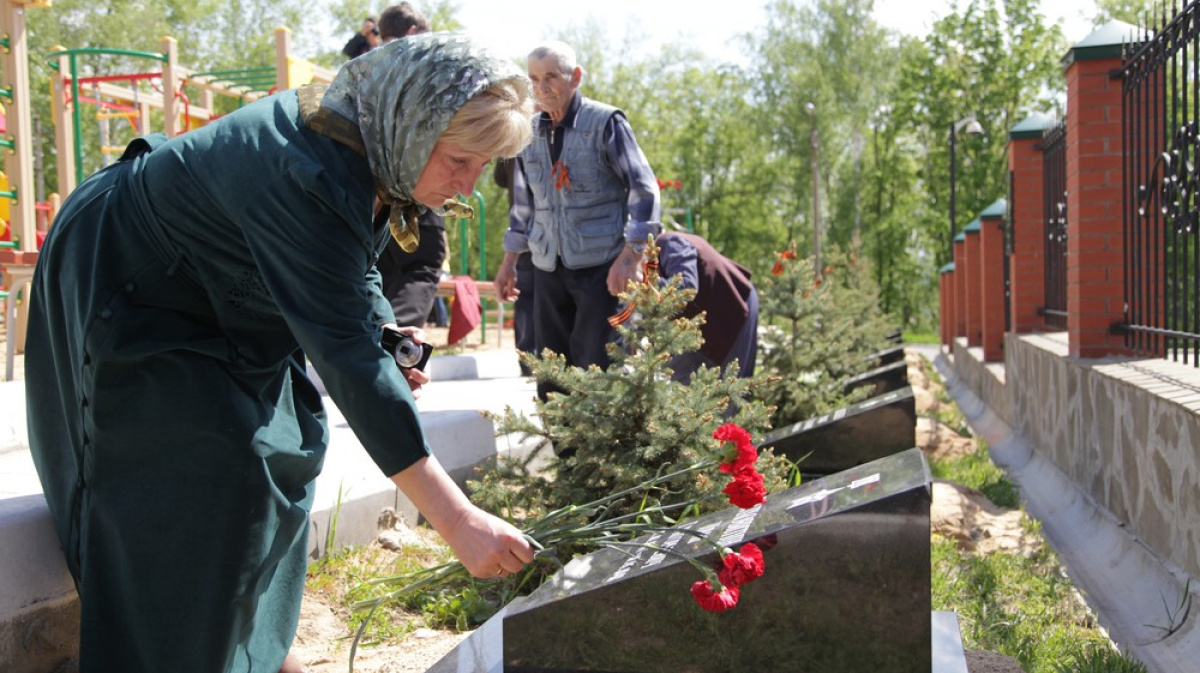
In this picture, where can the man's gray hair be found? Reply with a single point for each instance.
(561, 52)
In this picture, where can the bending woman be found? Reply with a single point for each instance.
(175, 301)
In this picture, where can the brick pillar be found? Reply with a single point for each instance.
(946, 303)
(1095, 243)
(1027, 266)
(972, 270)
(960, 286)
(991, 280)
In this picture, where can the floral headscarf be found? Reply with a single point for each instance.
(402, 96)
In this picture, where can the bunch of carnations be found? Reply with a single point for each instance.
(584, 528)
(720, 590)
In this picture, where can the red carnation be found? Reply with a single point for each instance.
(731, 432)
(742, 567)
(745, 457)
(746, 490)
(714, 601)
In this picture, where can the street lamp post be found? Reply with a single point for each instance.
(816, 198)
(971, 126)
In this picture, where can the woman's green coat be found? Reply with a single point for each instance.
(176, 296)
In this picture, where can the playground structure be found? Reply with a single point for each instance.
(115, 97)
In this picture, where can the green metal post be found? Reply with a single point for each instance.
(77, 120)
(462, 241)
(482, 217)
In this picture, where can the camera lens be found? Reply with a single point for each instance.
(407, 353)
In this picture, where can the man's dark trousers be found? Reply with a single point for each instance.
(570, 312)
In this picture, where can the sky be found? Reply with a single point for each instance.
(515, 26)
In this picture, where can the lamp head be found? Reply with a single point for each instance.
(968, 125)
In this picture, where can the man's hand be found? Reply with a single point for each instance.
(506, 279)
(626, 267)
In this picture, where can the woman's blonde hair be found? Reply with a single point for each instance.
(497, 122)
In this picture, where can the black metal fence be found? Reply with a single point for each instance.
(1161, 106)
(1008, 250)
(1054, 213)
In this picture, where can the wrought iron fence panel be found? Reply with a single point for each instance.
(1161, 148)
(1054, 211)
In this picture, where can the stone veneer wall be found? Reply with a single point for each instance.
(1126, 431)
(985, 379)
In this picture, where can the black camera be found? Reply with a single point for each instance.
(408, 353)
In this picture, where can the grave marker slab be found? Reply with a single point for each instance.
(887, 356)
(846, 588)
(865, 431)
(880, 380)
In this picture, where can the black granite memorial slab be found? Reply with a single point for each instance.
(880, 380)
(886, 357)
(846, 588)
(857, 434)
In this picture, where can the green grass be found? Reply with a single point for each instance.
(976, 470)
(1019, 604)
(920, 337)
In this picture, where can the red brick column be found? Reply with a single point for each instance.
(946, 303)
(991, 280)
(972, 270)
(1095, 244)
(960, 286)
(1027, 266)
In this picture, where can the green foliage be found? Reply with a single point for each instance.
(1136, 12)
(996, 60)
(976, 470)
(614, 429)
(817, 333)
(1100, 658)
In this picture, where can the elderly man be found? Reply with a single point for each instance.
(584, 203)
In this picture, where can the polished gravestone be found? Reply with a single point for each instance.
(846, 588)
(886, 357)
(880, 380)
(865, 431)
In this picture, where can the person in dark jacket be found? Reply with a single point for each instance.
(366, 39)
(724, 293)
(523, 333)
(172, 423)
(410, 279)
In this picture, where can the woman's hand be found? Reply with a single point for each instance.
(416, 377)
(486, 545)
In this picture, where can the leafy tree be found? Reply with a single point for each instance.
(995, 60)
(1137, 12)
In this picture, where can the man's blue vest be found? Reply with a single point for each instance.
(583, 220)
